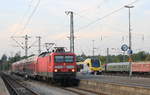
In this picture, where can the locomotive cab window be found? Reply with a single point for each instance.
(69, 59)
(95, 63)
(59, 59)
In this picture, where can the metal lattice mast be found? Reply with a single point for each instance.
(26, 45)
(39, 44)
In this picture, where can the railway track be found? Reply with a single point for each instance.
(16, 88)
(73, 89)
(80, 91)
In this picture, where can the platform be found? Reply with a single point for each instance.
(133, 81)
(3, 89)
(115, 85)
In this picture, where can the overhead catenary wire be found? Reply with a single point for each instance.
(97, 7)
(84, 10)
(23, 17)
(31, 15)
(18, 43)
(107, 15)
(81, 16)
(98, 19)
(25, 25)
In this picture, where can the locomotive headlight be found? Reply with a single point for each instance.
(56, 70)
(73, 70)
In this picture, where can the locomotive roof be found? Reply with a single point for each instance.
(32, 58)
(49, 53)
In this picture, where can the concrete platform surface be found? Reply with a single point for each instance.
(134, 81)
(3, 89)
(115, 85)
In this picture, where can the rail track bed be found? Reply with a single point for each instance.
(16, 88)
(57, 89)
(80, 91)
(17, 84)
(90, 85)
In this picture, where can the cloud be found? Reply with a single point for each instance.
(15, 28)
(52, 24)
(147, 12)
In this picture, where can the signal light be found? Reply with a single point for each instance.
(55, 70)
(73, 70)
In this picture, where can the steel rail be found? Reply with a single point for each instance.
(16, 88)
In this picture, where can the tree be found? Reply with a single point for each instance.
(102, 59)
(147, 58)
(17, 57)
(3, 62)
(4, 58)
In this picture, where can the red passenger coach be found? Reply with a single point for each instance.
(55, 65)
(25, 66)
(141, 67)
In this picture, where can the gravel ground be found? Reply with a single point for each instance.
(47, 89)
(3, 89)
(44, 88)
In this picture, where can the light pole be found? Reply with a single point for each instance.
(71, 30)
(130, 41)
(93, 47)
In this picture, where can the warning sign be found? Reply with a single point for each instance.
(130, 60)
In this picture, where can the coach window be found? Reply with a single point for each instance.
(59, 59)
(69, 59)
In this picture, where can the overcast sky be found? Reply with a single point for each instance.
(51, 23)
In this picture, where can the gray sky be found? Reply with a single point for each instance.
(52, 24)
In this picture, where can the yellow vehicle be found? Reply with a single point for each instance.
(90, 66)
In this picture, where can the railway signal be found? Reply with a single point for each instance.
(130, 52)
(130, 60)
(124, 47)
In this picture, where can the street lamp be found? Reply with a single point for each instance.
(71, 30)
(130, 42)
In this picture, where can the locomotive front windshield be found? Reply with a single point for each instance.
(69, 59)
(59, 59)
(95, 63)
(66, 59)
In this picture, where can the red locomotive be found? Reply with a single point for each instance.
(55, 65)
